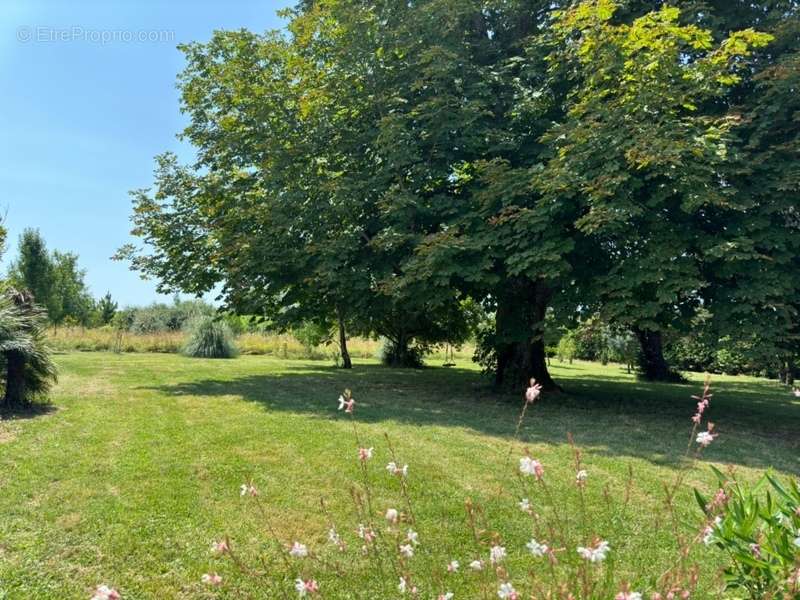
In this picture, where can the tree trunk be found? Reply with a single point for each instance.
(15, 380)
(786, 373)
(651, 359)
(520, 336)
(346, 362)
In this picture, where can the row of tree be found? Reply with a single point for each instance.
(390, 166)
(57, 284)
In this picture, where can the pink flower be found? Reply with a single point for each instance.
(628, 596)
(719, 500)
(346, 402)
(212, 579)
(310, 586)
(532, 393)
(452, 566)
(104, 592)
(220, 547)
(366, 534)
(507, 592)
(529, 466)
(756, 550)
(596, 553)
(446, 596)
(364, 454)
(248, 489)
(704, 439)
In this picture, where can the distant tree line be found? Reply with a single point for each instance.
(56, 283)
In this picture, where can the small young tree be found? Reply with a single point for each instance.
(107, 308)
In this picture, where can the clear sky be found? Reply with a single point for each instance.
(88, 99)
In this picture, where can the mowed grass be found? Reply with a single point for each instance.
(135, 469)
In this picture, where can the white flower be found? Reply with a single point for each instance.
(452, 566)
(412, 536)
(447, 596)
(394, 469)
(529, 466)
(402, 586)
(104, 592)
(536, 548)
(704, 438)
(797, 541)
(392, 515)
(298, 550)
(796, 392)
(525, 505)
(708, 532)
(476, 565)
(507, 592)
(582, 476)
(407, 550)
(333, 537)
(211, 579)
(364, 454)
(595, 554)
(497, 554)
(629, 596)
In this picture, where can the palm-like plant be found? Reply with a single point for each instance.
(26, 366)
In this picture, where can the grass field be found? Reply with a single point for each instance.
(134, 469)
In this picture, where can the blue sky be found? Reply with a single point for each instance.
(81, 118)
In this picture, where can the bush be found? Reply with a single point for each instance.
(394, 354)
(209, 339)
(27, 371)
(759, 533)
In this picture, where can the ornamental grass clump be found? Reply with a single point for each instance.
(209, 338)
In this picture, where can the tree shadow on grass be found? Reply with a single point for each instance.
(27, 411)
(612, 415)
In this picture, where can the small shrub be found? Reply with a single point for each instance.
(760, 534)
(394, 354)
(209, 339)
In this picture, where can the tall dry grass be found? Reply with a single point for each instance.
(105, 339)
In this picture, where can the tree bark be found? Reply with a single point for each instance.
(15, 380)
(346, 362)
(651, 360)
(519, 332)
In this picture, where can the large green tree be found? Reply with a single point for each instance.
(384, 161)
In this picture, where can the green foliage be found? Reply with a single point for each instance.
(26, 364)
(383, 164)
(162, 317)
(567, 348)
(758, 529)
(33, 269)
(400, 353)
(209, 338)
(312, 334)
(106, 309)
(54, 279)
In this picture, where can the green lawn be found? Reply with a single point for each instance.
(135, 469)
